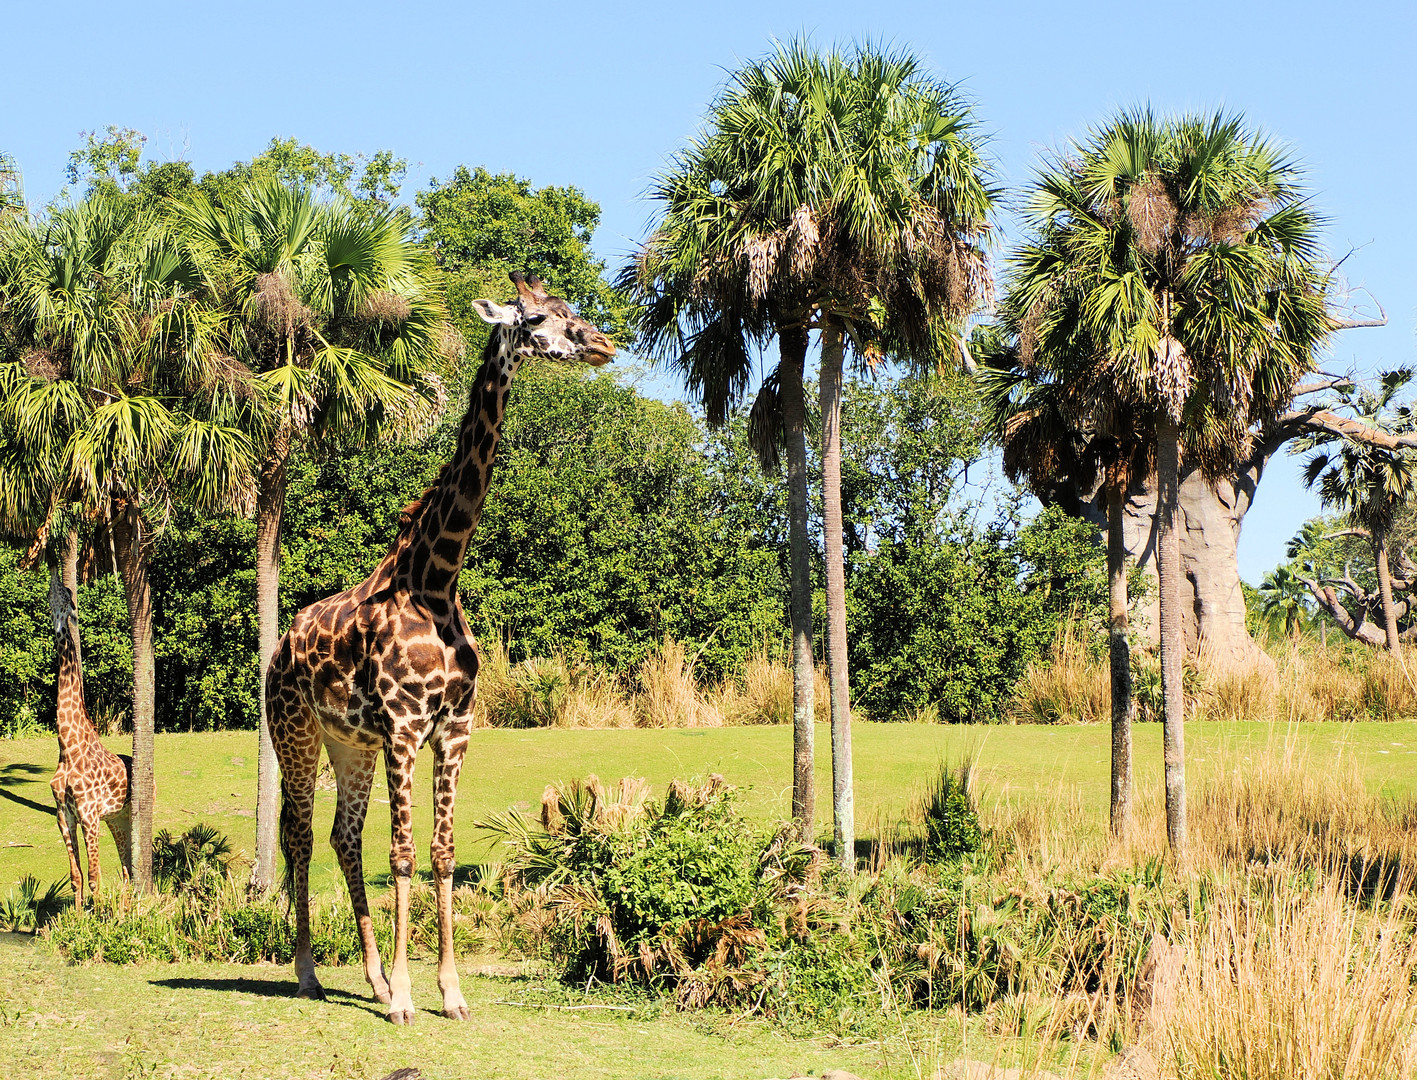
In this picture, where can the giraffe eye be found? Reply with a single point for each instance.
(535, 319)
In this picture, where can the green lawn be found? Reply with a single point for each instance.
(212, 777)
(224, 1022)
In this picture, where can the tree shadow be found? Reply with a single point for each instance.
(266, 988)
(463, 874)
(23, 772)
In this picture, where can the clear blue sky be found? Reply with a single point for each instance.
(596, 96)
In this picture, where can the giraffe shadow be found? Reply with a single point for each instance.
(269, 989)
(463, 874)
(22, 772)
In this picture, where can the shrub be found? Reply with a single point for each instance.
(200, 860)
(677, 894)
(26, 908)
(950, 816)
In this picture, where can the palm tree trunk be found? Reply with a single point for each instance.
(133, 570)
(1173, 644)
(792, 342)
(1385, 590)
(270, 510)
(1120, 653)
(843, 800)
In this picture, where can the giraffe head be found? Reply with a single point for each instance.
(61, 604)
(535, 324)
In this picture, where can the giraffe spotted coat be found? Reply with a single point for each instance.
(391, 664)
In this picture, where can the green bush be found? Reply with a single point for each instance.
(951, 819)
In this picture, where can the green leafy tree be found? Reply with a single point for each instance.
(336, 323)
(844, 193)
(1173, 271)
(1285, 601)
(484, 226)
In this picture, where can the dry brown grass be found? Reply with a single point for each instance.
(1278, 982)
(1308, 683)
(668, 695)
(1069, 687)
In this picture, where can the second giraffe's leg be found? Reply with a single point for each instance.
(449, 746)
(354, 773)
(68, 827)
(90, 824)
(399, 756)
(120, 825)
(296, 735)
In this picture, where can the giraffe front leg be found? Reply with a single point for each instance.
(68, 825)
(296, 735)
(399, 756)
(448, 750)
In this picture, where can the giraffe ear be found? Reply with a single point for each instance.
(497, 314)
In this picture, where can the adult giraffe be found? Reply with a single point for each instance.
(391, 664)
(91, 783)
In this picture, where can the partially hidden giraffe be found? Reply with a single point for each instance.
(91, 783)
(391, 664)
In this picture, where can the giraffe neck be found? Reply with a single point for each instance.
(76, 730)
(430, 556)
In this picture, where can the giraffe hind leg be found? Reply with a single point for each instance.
(121, 827)
(296, 735)
(68, 827)
(354, 775)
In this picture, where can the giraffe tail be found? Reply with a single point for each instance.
(287, 830)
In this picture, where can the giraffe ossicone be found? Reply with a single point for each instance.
(391, 664)
(91, 783)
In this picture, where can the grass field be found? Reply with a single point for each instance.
(226, 1021)
(212, 777)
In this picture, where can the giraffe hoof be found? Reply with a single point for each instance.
(401, 1018)
(458, 1013)
(311, 993)
(383, 996)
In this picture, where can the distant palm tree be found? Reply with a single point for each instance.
(1285, 600)
(841, 193)
(1368, 484)
(117, 402)
(335, 321)
(1176, 264)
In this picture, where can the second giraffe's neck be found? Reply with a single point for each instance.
(72, 718)
(430, 555)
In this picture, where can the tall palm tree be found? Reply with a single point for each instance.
(115, 404)
(1368, 484)
(1056, 430)
(334, 314)
(844, 193)
(1180, 258)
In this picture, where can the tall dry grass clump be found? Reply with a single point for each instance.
(668, 695)
(546, 692)
(1068, 687)
(1278, 982)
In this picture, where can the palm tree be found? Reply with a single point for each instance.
(334, 314)
(1368, 484)
(842, 193)
(1180, 259)
(116, 404)
(1055, 429)
(1285, 600)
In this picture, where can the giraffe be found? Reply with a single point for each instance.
(91, 782)
(391, 664)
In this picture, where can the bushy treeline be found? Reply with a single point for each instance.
(615, 521)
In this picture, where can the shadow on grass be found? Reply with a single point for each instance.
(267, 988)
(463, 874)
(22, 772)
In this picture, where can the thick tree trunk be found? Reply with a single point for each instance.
(1121, 658)
(1168, 565)
(1394, 643)
(128, 544)
(270, 510)
(1212, 600)
(843, 799)
(793, 344)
